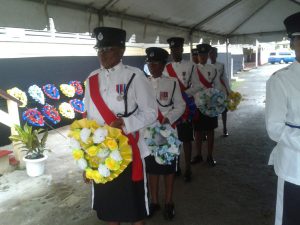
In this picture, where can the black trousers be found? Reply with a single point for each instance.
(291, 204)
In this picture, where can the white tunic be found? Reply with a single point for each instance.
(223, 76)
(210, 73)
(283, 106)
(163, 87)
(186, 73)
(140, 94)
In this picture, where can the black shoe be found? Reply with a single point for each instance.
(153, 208)
(187, 176)
(197, 159)
(169, 211)
(204, 138)
(225, 133)
(211, 162)
(178, 172)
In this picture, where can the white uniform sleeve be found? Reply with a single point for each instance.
(226, 80)
(147, 107)
(276, 108)
(195, 83)
(178, 105)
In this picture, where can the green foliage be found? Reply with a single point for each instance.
(30, 142)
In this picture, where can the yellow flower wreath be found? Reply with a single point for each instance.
(102, 161)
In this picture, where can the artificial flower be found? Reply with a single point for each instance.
(163, 143)
(82, 163)
(37, 94)
(85, 134)
(112, 164)
(105, 150)
(18, 94)
(66, 110)
(77, 154)
(99, 135)
(111, 143)
(103, 170)
(115, 155)
(92, 151)
(67, 90)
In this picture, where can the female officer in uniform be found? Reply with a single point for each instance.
(171, 107)
(283, 126)
(184, 71)
(128, 97)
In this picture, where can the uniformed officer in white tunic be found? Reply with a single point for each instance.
(283, 126)
(127, 93)
(209, 78)
(225, 87)
(184, 71)
(171, 106)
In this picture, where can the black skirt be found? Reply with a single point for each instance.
(152, 167)
(206, 123)
(185, 131)
(121, 199)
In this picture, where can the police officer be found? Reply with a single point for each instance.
(208, 77)
(121, 92)
(195, 58)
(184, 71)
(225, 87)
(171, 107)
(283, 126)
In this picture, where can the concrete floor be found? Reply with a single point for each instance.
(240, 190)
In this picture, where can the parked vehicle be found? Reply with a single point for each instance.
(281, 57)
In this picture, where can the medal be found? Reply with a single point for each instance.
(120, 88)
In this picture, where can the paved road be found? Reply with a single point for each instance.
(240, 190)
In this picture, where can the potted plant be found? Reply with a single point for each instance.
(33, 146)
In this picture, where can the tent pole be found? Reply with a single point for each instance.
(227, 58)
(256, 54)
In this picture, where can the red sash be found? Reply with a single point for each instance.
(109, 116)
(203, 80)
(172, 73)
(161, 117)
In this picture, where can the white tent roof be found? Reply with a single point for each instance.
(242, 21)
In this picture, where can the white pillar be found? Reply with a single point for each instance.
(256, 55)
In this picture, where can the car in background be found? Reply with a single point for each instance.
(281, 57)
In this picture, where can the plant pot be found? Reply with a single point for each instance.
(35, 167)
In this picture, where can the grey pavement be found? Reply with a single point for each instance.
(240, 190)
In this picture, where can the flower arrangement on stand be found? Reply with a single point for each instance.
(163, 142)
(211, 102)
(66, 110)
(37, 94)
(18, 94)
(67, 90)
(233, 100)
(102, 152)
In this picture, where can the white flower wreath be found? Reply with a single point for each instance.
(211, 102)
(163, 143)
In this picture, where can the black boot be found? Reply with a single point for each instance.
(169, 211)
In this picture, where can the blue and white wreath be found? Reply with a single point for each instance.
(211, 102)
(163, 142)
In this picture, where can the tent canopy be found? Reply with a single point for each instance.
(240, 21)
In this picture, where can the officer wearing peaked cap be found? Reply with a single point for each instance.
(283, 125)
(225, 87)
(195, 56)
(208, 77)
(184, 71)
(130, 105)
(171, 107)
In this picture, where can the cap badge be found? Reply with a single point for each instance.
(151, 54)
(202, 49)
(100, 37)
(172, 43)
